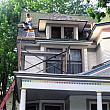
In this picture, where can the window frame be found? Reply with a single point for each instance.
(59, 61)
(94, 101)
(69, 61)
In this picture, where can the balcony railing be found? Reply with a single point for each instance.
(53, 62)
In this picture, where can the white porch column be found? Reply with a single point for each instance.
(23, 100)
(99, 101)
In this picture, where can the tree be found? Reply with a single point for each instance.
(99, 10)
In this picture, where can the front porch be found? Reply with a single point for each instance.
(63, 92)
(63, 100)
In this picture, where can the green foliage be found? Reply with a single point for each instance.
(91, 12)
(101, 3)
(108, 10)
(96, 11)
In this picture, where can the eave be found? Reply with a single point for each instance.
(97, 29)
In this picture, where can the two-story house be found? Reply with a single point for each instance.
(57, 63)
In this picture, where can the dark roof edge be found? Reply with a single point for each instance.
(65, 20)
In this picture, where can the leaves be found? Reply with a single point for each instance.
(97, 11)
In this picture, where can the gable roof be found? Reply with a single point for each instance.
(54, 16)
(102, 70)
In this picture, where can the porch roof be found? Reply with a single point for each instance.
(102, 69)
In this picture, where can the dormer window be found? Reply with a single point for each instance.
(69, 32)
(56, 32)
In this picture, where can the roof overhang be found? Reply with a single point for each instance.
(43, 22)
(65, 42)
(98, 28)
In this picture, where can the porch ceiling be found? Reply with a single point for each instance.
(33, 94)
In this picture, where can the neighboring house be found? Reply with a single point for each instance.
(63, 63)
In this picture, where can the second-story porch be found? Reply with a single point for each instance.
(59, 58)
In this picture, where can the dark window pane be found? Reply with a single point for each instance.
(52, 108)
(31, 107)
(94, 106)
(104, 106)
(75, 55)
(56, 32)
(74, 65)
(68, 32)
(54, 65)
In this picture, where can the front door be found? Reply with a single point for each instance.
(52, 106)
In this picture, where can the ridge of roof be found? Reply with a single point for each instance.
(54, 16)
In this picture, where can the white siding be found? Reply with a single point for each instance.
(91, 59)
(32, 60)
(103, 51)
(77, 103)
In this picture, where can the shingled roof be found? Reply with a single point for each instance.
(54, 16)
(100, 70)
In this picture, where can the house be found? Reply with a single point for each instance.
(63, 63)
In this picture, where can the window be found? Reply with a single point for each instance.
(56, 32)
(74, 65)
(93, 105)
(54, 65)
(52, 106)
(68, 32)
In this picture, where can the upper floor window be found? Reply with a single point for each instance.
(68, 32)
(54, 65)
(56, 32)
(74, 65)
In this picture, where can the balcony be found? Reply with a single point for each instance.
(53, 61)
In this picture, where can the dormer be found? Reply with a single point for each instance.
(64, 29)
